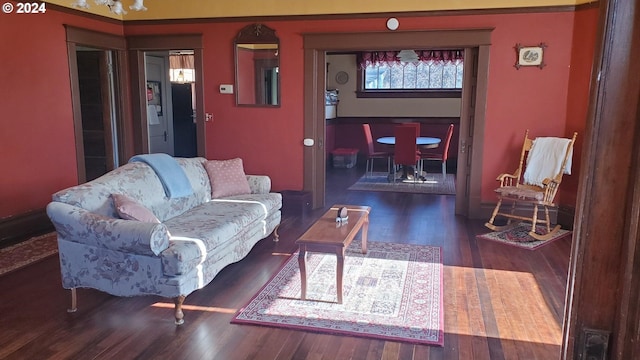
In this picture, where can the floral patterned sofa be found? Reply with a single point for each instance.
(192, 240)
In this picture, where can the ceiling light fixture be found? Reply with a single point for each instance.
(115, 6)
(407, 56)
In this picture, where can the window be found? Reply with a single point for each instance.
(181, 67)
(408, 73)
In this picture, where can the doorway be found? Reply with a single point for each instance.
(171, 103)
(184, 126)
(98, 93)
(97, 105)
(159, 103)
(142, 47)
(476, 42)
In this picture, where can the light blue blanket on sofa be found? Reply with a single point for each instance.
(174, 180)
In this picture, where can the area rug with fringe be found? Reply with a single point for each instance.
(519, 236)
(27, 252)
(433, 183)
(394, 292)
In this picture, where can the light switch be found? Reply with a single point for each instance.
(226, 89)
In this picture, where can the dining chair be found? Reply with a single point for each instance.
(441, 153)
(372, 153)
(406, 151)
(415, 126)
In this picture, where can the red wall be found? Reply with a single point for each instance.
(37, 148)
(36, 134)
(583, 47)
(528, 98)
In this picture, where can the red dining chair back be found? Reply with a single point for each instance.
(406, 151)
(441, 153)
(416, 126)
(372, 153)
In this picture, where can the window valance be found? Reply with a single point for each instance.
(181, 61)
(366, 58)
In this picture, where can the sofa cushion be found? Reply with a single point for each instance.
(219, 220)
(130, 209)
(227, 178)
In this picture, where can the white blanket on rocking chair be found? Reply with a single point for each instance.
(545, 159)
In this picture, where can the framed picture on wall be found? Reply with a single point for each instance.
(530, 55)
(154, 95)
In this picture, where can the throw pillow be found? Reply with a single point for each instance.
(227, 178)
(130, 209)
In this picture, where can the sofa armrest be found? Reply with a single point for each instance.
(259, 184)
(79, 225)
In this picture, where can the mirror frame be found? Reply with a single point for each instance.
(256, 34)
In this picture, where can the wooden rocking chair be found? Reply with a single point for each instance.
(547, 159)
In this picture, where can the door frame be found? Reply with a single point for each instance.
(76, 37)
(315, 47)
(161, 59)
(137, 46)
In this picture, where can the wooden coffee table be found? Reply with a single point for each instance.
(329, 237)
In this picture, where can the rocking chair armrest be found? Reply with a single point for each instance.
(550, 187)
(546, 182)
(507, 179)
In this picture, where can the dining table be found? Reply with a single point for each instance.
(421, 141)
(424, 142)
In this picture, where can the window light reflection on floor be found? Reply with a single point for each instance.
(516, 299)
(196, 308)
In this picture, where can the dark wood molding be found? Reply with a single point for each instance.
(21, 227)
(76, 111)
(604, 277)
(393, 120)
(449, 38)
(77, 12)
(257, 34)
(470, 12)
(94, 38)
(384, 15)
(409, 94)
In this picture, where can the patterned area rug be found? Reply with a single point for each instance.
(27, 252)
(519, 236)
(394, 292)
(432, 184)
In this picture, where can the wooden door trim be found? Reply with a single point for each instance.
(317, 44)
(108, 42)
(76, 111)
(137, 46)
(603, 282)
(106, 108)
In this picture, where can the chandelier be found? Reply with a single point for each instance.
(115, 6)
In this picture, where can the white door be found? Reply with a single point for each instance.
(159, 111)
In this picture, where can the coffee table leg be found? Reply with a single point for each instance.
(365, 231)
(339, 271)
(303, 273)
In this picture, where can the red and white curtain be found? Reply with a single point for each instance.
(367, 58)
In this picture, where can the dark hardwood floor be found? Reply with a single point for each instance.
(500, 302)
